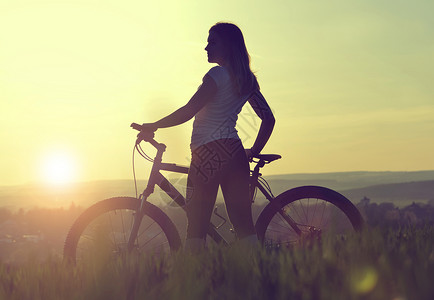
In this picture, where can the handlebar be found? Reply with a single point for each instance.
(147, 136)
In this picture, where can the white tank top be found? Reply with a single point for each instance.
(217, 119)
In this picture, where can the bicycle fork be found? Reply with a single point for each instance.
(146, 193)
(138, 215)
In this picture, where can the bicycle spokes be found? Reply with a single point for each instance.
(304, 221)
(114, 234)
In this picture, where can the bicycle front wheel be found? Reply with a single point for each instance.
(103, 230)
(304, 214)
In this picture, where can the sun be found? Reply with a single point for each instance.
(59, 169)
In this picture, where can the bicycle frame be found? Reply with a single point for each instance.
(156, 178)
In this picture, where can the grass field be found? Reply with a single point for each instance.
(375, 264)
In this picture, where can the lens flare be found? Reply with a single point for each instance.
(365, 280)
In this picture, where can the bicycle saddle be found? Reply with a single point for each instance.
(268, 157)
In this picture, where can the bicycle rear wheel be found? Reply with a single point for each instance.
(304, 214)
(103, 230)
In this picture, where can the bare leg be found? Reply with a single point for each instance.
(224, 163)
(235, 188)
(201, 196)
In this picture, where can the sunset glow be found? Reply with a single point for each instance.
(58, 169)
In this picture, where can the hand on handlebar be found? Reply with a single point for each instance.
(146, 131)
(149, 127)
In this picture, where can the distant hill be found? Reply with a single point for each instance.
(82, 194)
(402, 187)
(398, 193)
(352, 180)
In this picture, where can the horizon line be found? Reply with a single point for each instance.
(41, 183)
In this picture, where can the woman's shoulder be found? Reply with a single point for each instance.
(219, 74)
(218, 70)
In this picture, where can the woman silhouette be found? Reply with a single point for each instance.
(218, 157)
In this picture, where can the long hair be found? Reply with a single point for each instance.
(238, 57)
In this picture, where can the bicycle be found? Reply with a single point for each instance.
(129, 224)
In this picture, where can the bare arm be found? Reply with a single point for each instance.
(260, 106)
(205, 93)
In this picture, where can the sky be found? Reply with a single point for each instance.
(350, 83)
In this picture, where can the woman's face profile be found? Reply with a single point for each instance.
(215, 49)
